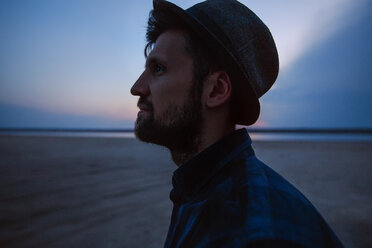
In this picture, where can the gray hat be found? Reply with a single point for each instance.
(244, 44)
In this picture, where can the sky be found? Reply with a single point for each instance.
(71, 63)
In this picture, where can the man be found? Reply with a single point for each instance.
(205, 69)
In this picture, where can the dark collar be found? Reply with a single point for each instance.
(191, 176)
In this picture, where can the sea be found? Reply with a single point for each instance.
(266, 135)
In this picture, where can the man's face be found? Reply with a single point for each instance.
(170, 112)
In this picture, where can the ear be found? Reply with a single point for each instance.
(217, 89)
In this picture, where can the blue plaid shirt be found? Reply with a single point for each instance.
(226, 197)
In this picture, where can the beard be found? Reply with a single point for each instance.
(177, 128)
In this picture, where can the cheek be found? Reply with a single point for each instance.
(162, 92)
(170, 90)
(160, 99)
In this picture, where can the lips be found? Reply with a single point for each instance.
(145, 108)
(144, 105)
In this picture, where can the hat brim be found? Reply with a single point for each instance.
(246, 106)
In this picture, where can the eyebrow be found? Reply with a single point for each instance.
(153, 60)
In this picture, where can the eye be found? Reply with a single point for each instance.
(158, 68)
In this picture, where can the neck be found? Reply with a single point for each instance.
(180, 158)
(209, 135)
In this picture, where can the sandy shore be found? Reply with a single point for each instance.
(110, 192)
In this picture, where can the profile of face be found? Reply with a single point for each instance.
(170, 111)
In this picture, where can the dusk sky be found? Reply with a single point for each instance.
(71, 63)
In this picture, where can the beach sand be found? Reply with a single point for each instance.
(114, 192)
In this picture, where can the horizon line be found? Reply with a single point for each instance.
(251, 130)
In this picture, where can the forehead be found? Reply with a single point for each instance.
(170, 45)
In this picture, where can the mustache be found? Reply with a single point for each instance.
(143, 102)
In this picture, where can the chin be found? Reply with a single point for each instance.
(177, 127)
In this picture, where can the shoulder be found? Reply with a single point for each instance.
(256, 202)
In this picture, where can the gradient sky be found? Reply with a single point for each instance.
(71, 63)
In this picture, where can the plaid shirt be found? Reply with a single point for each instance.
(226, 197)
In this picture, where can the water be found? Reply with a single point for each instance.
(93, 134)
(255, 136)
(310, 137)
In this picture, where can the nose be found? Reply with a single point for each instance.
(140, 87)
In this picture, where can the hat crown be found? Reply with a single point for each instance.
(246, 38)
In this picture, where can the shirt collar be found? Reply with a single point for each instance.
(191, 176)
